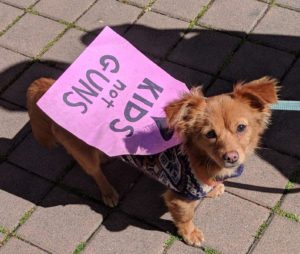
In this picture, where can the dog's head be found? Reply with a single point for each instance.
(226, 127)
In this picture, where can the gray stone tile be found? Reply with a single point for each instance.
(188, 76)
(12, 122)
(19, 191)
(8, 14)
(180, 247)
(16, 93)
(22, 4)
(289, 3)
(141, 3)
(29, 35)
(229, 223)
(204, 50)
(146, 203)
(290, 89)
(187, 10)
(11, 65)
(67, 10)
(15, 245)
(253, 61)
(121, 234)
(119, 174)
(282, 236)
(62, 221)
(234, 15)
(279, 28)
(155, 33)
(68, 48)
(282, 133)
(35, 158)
(291, 201)
(218, 87)
(261, 182)
(117, 15)
(2, 237)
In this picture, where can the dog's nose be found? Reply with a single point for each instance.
(231, 157)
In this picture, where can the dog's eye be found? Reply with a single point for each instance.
(211, 134)
(241, 127)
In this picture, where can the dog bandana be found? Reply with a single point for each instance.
(172, 169)
(112, 97)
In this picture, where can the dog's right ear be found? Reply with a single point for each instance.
(181, 113)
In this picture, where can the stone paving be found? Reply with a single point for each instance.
(48, 205)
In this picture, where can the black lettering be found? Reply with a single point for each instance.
(92, 82)
(113, 127)
(109, 103)
(142, 99)
(74, 104)
(132, 106)
(121, 87)
(82, 93)
(106, 60)
(152, 87)
(113, 93)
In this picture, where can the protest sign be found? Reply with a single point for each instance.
(112, 97)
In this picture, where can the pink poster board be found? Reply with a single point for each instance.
(112, 97)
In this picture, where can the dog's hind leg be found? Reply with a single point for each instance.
(89, 158)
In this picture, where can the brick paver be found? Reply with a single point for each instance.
(281, 237)
(58, 9)
(121, 234)
(229, 223)
(156, 34)
(62, 221)
(279, 28)
(57, 208)
(29, 35)
(35, 158)
(16, 93)
(253, 185)
(204, 50)
(8, 14)
(19, 191)
(222, 15)
(114, 14)
(17, 246)
(253, 61)
(187, 10)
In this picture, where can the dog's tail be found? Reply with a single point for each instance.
(40, 122)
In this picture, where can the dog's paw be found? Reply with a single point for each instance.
(194, 238)
(111, 198)
(217, 191)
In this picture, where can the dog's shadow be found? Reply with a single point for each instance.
(205, 52)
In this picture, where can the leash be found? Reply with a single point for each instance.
(286, 105)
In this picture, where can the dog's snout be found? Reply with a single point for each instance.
(231, 157)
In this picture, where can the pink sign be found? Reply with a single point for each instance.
(112, 97)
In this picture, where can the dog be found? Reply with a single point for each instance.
(217, 133)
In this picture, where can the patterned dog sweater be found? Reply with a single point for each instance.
(172, 169)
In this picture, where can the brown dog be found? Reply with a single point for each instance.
(217, 134)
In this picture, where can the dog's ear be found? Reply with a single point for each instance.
(181, 113)
(258, 93)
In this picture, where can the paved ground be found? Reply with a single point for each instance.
(48, 205)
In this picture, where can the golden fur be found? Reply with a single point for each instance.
(210, 128)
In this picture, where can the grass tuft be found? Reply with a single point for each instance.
(262, 228)
(25, 217)
(80, 247)
(209, 250)
(168, 243)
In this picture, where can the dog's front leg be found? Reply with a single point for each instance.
(182, 211)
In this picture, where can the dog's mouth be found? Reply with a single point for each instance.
(231, 165)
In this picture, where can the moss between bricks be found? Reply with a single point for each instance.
(209, 250)
(80, 247)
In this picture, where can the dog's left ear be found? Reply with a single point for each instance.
(258, 93)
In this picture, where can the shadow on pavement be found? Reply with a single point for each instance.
(197, 59)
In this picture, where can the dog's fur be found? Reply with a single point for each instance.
(192, 117)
